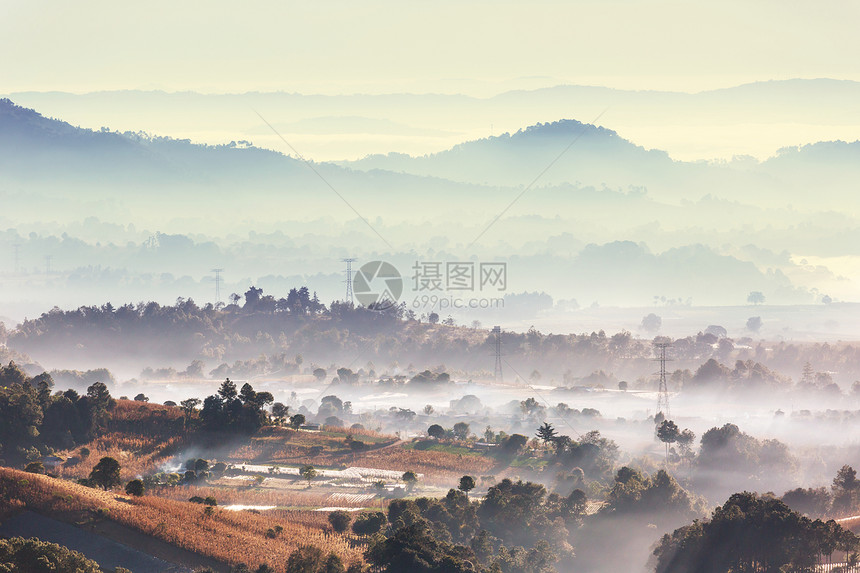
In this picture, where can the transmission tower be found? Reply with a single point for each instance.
(349, 295)
(217, 284)
(497, 330)
(663, 389)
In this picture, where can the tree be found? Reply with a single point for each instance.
(461, 430)
(546, 433)
(134, 487)
(623, 386)
(308, 473)
(227, 390)
(514, 443)
(105, 474)
(188, 406)
(433, 318)
(467, 484)
(685, 444)
(141, 398)
(846, 490)
(755, 297)
(297, 421)
(339, 520)
(369, 523)
(754, 323)
(436, 431)
(410, 478)
(98, 404)
(651, 323)
(428, 410)
(668, 433)
(750, 533)
(280, 412)
(319, 374)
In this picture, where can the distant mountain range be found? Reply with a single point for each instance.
(753, 119)
(567, 152)
(606, 219)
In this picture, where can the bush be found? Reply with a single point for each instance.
(35, 468)
(369, 523)
(20, 554)
(339, 520)
(135, 487)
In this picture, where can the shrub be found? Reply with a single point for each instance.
(135, 487)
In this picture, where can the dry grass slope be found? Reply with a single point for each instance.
(230, 537)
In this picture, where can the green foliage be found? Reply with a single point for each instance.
(369, 523)
(846, 491)
(34, 556)
(308, 472)
(31, 419)
(35, 468)
(546, 433)
(461, 430)
(135, 487)
(232, 411)
(339, 520)
(636, 493)
(105, 474)
(415, 549)
(728, 454)
(467, 484)
(751, 533)
(813, 502)
(513, 444)
(310, 559)
(436, 431)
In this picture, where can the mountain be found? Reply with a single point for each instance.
(754, 119)
(565, 151)
(266, 215)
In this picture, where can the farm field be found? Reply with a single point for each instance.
(185, 525)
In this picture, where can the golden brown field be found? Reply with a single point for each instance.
(230, 537)
(262, 496)
(279, 445)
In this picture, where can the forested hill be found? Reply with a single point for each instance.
(591, 154)
(268, 333)
(37, 148)
(37, 152)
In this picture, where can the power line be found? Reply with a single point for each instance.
(348, 271)
(497, 373)
(217, 284)
(662, 389)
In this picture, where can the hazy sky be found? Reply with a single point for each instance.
(444, 46)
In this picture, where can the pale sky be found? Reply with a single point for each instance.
(479, 48)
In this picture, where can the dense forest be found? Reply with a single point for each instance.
(265, 333)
